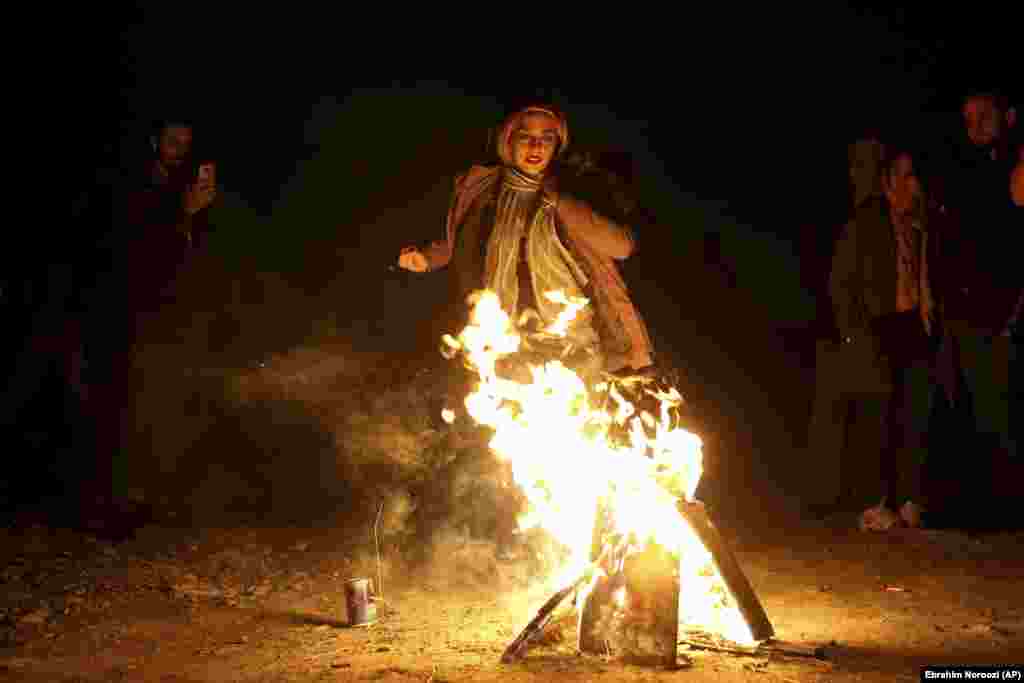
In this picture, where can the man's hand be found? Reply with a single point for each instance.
(413, 259)
(198, 197)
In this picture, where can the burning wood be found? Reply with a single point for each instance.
(640, 623)
(729, 569)
(518, 647)
(697, 640)
(630, 604)
(643, 625)
(595, 467)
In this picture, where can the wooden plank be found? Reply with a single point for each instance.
(596, 599)
(729, 569)
(649, 630)
(699, 640)
(792, 649)
(595, 606)
(518, 647)
(644, 629)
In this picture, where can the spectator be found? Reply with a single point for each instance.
(160, 221)
(842, 400)
(1016, 327)
(884, 312)
(978, 276)
(42, 390)
(1017, 179)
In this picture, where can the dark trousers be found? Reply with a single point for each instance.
(862, 447)
(977, 463)
(111, 403)
(991, 375)
(113, 387)
(1015, 389)
(905, 439)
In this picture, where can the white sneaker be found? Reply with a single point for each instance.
(910, 513)
(878, 518)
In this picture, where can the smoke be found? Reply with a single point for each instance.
(329, 435)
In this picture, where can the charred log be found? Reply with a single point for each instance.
(729, 569)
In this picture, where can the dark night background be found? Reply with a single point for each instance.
(737, 125)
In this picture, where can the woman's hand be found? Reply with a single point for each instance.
(551, 195)
(413, 259)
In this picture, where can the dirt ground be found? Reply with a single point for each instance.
(252, 603)
(190, 605)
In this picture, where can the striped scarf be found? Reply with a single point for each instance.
(524, 211)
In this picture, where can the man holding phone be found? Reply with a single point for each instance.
(161, 223)
(178, 187)
(201, 193)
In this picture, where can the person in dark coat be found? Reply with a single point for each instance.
(885, 314)
(979, 276)
(159, 223)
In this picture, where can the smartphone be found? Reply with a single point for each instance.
(205, 176)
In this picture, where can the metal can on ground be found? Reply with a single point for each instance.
(357, 602)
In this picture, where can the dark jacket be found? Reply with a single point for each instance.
(978, 269)
(142, 247)
(863, 279)
(876, 337)
(158, 238)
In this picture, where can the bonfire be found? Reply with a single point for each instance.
(610, 475)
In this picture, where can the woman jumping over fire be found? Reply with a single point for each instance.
(509, 230)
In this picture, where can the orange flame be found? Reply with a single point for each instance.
(555, 434)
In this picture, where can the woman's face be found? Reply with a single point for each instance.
(534, 143)
(902, 186)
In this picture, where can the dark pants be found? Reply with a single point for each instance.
(42, 427)
(991, 374)
(111, 402)
(862, 447)
(905, 444)
(1016, 391)
(977, 462)
(112, 391)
